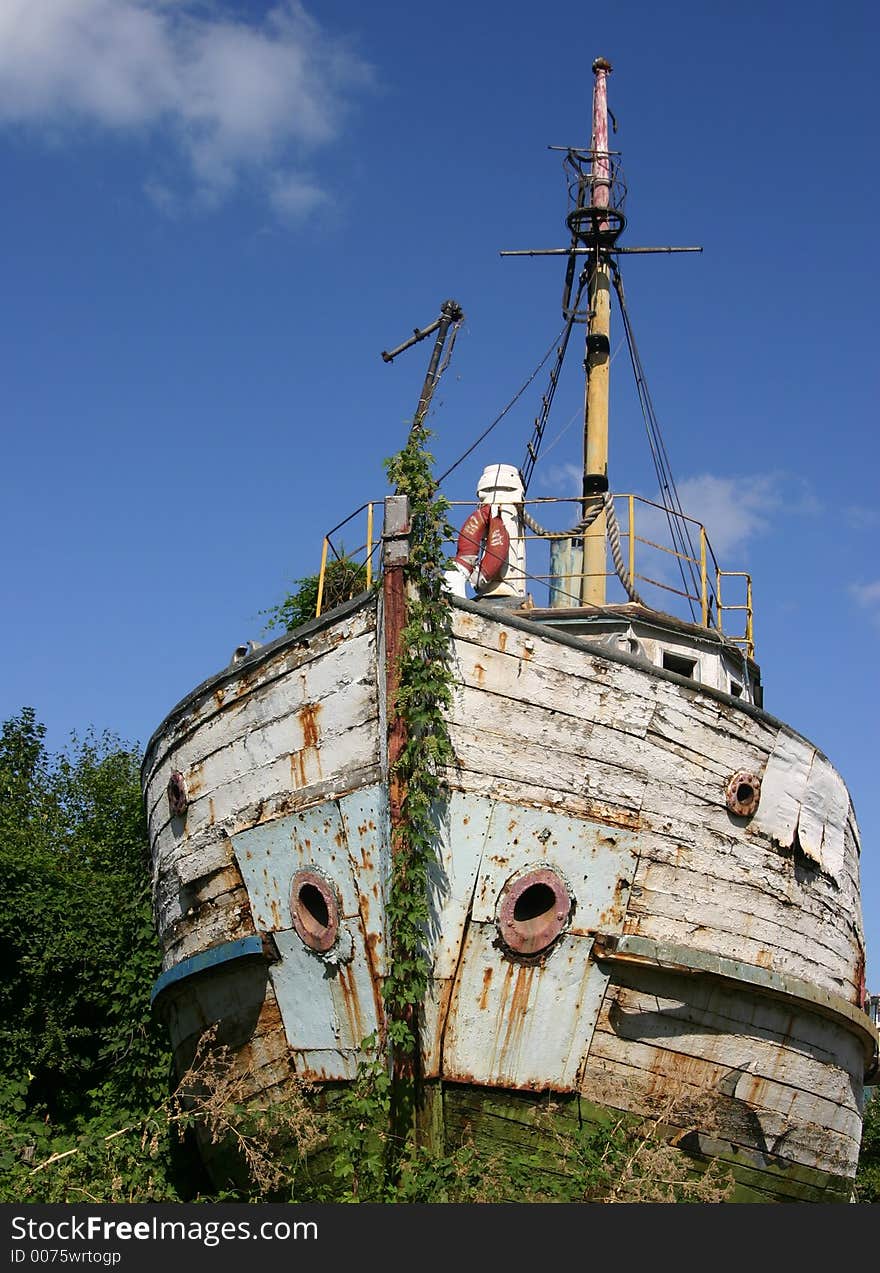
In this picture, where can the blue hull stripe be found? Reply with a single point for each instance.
(225, 953)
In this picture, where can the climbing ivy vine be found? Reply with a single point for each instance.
(423, 696)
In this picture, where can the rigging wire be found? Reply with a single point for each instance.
(534, 444)
(678, 527)
(516, 397)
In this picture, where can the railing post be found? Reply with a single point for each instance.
(369, 544)
(321, 575)
(704, 599)
(631, 500)
(750, 636)
(718, 598)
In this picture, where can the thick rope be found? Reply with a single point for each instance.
(584, 524)
(613, 531)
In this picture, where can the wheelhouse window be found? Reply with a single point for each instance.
(681, 664)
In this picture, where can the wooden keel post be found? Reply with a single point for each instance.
(395, 556)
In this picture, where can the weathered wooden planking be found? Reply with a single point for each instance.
(682, 753)
(681, 930)
(630, 693)
(819, 941)
(297, 697)
(784, 785)
(823, 814)
(701, 1060)
(211, 927)
(742, 860)
(186, 928)
(183, 910)
(780, 1094)
(537, 718)
(513, 1122)
(222, 692)
(627, 1086)
(538, 671)
(310, 742)
(249, 701)
(515, 760)
(798, 914)
(782, 1049)
(532, 682)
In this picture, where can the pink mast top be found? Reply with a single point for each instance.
(600, 184)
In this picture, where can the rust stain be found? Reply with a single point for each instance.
(614, 914)
(479, 673)
(308, 718)
(861, 990)
(298, 769)
(276, 913)
(502, 641)
(372, 949)
(515, 996)
(484, 994)
(628, 819)
(219, 696)
(764, 959)
(434, 1059)
(527, 653)
(350, 1002)
(210, 812)
(245, 684)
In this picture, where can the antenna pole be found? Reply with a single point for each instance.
(598, 353)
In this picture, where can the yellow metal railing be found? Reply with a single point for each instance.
(700, 573)
(348, 571)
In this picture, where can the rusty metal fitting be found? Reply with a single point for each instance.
(743, 793)
(533, 910)
(178, 797)
(314, 909)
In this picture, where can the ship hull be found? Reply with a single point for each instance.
(701, 968)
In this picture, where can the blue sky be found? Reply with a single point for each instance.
(216, 216)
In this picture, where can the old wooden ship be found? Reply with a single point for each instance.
(647, 888)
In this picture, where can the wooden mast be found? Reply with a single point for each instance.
(598, 351)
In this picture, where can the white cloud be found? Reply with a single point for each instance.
(861, 518)
(866, 594)
(232, 96)
(294, 196)
(733, 510)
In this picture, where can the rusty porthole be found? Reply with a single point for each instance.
(178, 799)
(743, 793)
(534, 909)
(314, 909)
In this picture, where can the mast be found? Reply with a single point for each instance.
(598, 352)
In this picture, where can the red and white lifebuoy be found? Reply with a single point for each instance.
(482, 533)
